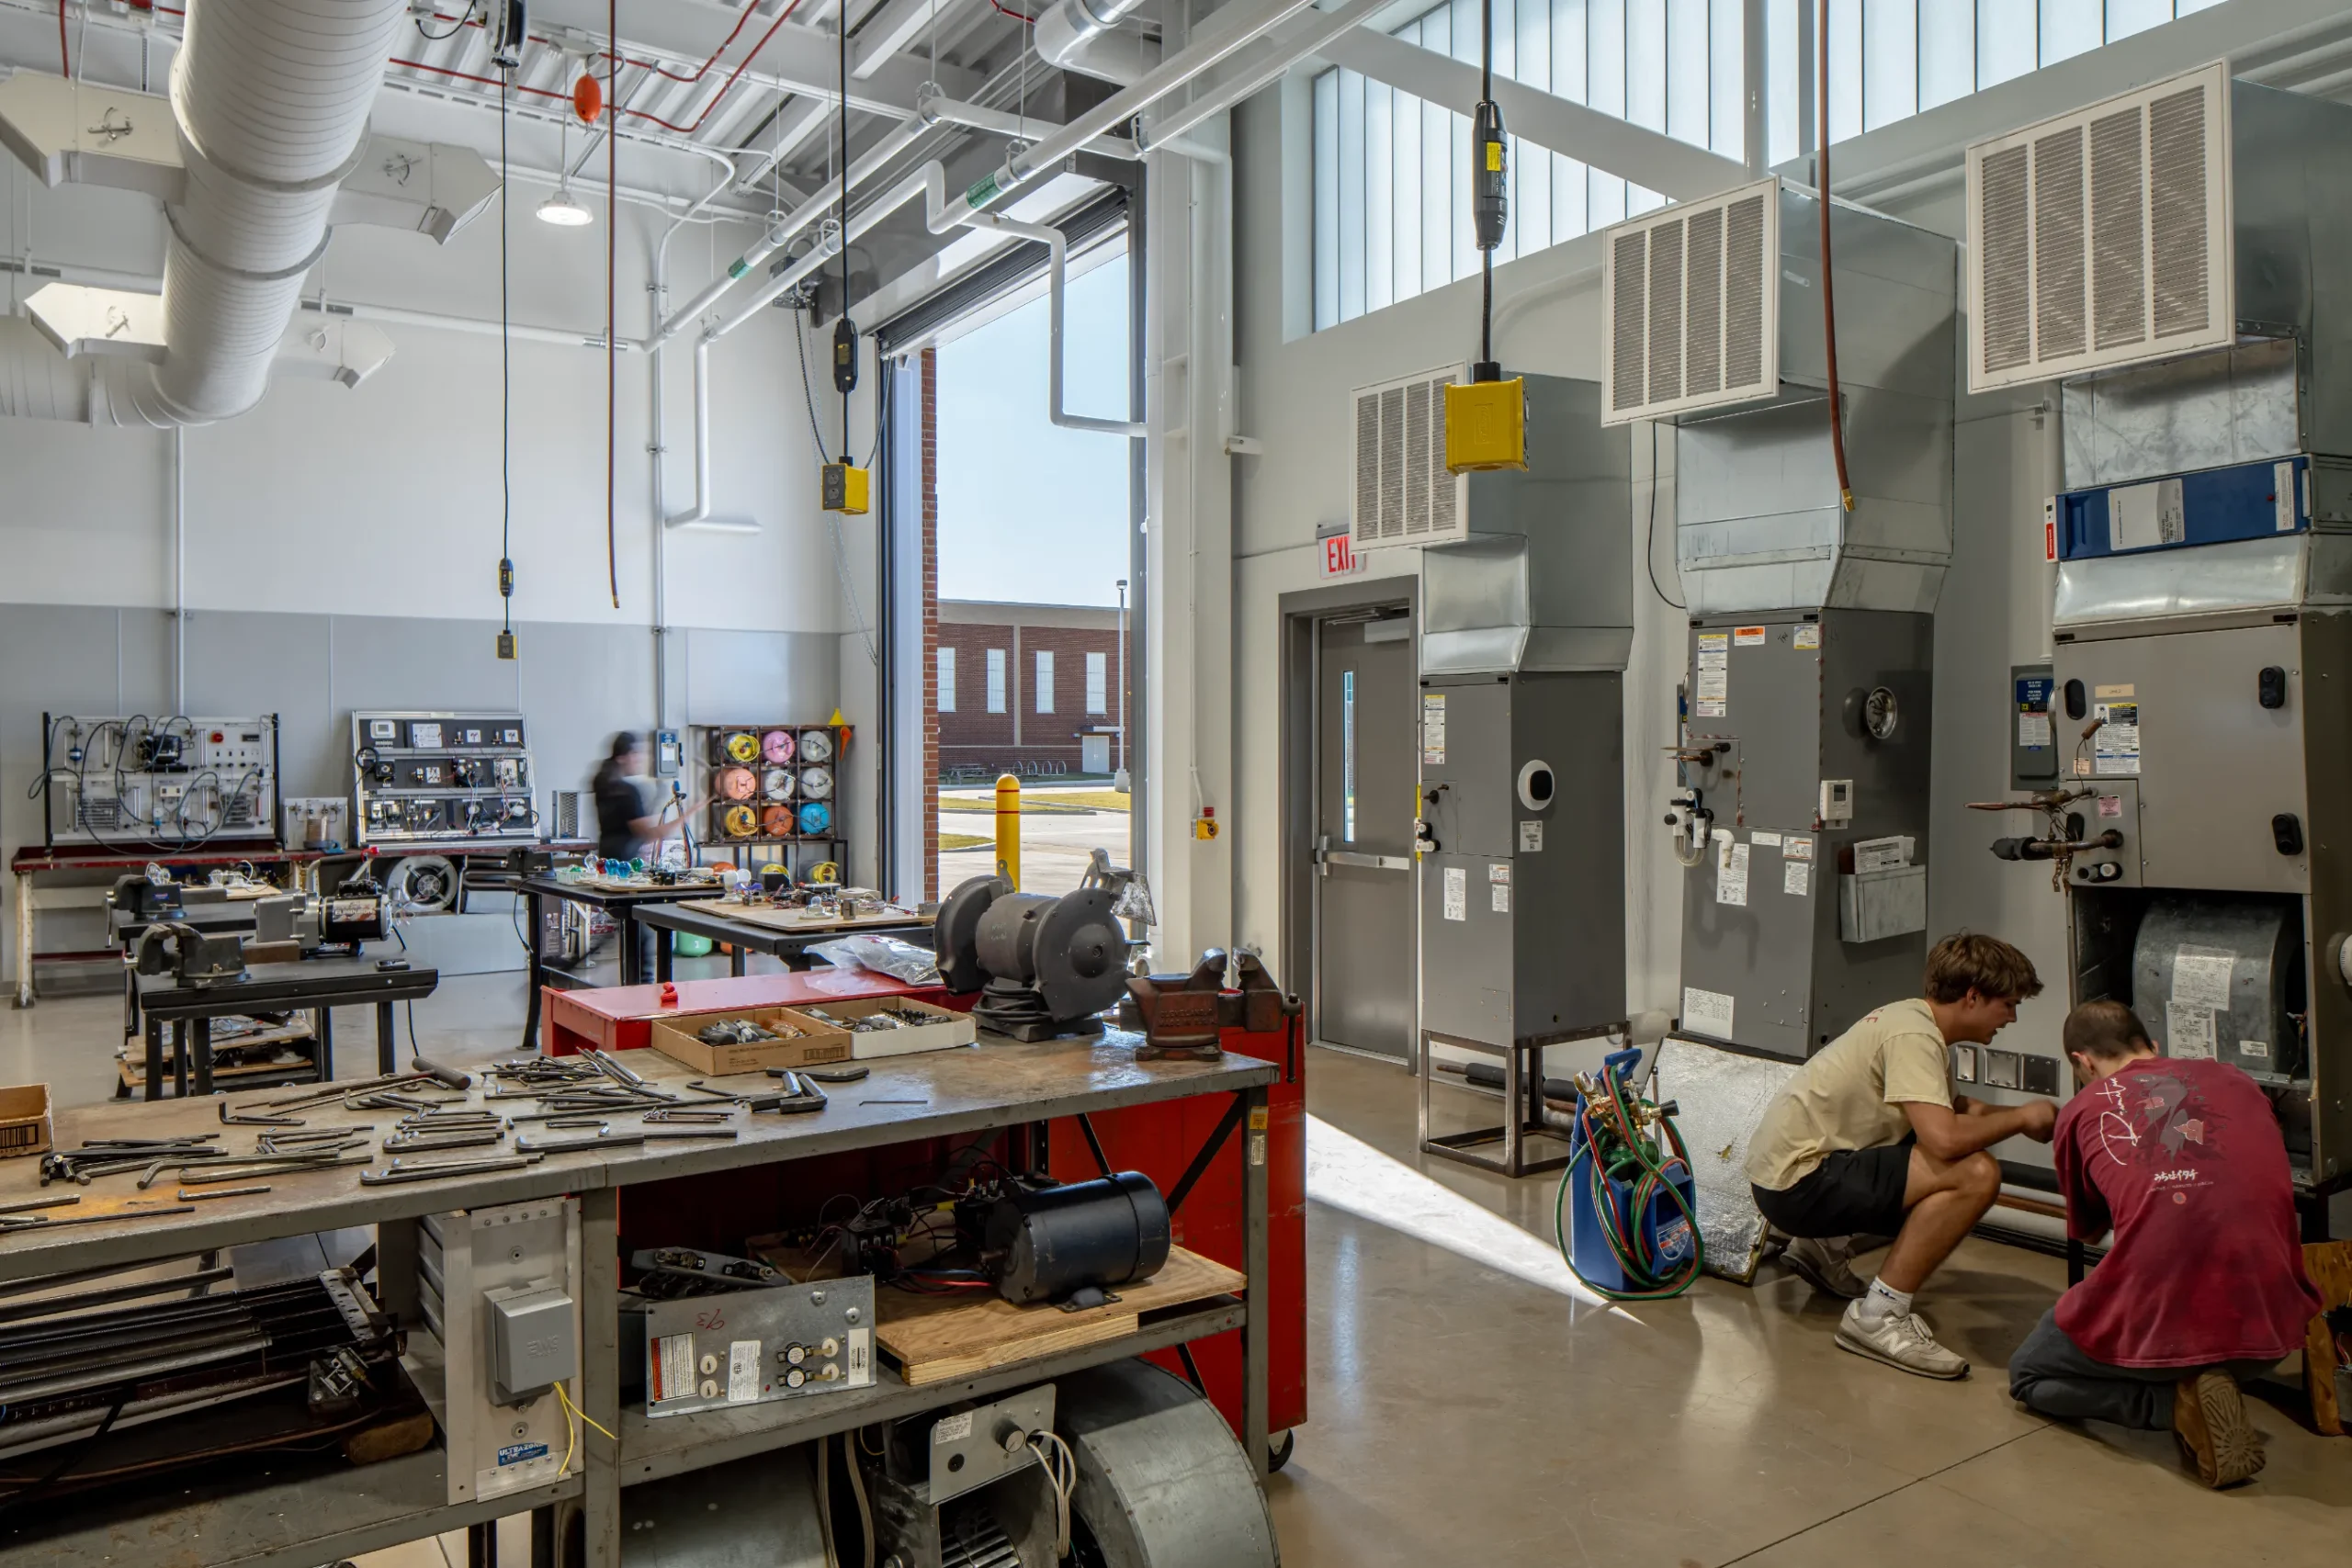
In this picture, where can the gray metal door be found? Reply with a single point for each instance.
(1362, 838)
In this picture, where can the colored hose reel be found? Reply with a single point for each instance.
(739, 821)
(777, 747)
(742, 745)
(816, 745)
(738, 784)
(816, 818)
(1626, 1217)
(816, 784)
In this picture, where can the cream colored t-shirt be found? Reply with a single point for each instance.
(1850, 1095)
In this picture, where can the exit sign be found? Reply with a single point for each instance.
(1339, 559)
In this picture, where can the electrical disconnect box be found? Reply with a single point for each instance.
(172, 784)
(2198, 704)
(441, 778)
(496, 1291)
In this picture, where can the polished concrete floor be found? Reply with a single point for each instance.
(1469, 1406)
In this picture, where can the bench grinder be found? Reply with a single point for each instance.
(1043, 965)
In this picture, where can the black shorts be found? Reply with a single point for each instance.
(1850, 1192)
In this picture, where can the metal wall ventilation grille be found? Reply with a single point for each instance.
(1401, 493)
(2101, 237)
(1691, 316)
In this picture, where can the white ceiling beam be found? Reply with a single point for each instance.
(1648, 158)
(798, 59)
(890, 29)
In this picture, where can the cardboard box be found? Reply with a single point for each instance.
(951, 1028)
(817, 1044)
(24, 1120)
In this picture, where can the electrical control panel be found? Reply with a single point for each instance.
(173, 783)
(496, 1291)
(441, 778)
(754, 1347)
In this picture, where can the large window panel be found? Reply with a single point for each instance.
(1392, 191)
(1890, 62)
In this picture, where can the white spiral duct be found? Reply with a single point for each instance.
(271, 98)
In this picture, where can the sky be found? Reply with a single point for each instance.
(1029, 512)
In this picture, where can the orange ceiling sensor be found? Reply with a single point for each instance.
(587, 99)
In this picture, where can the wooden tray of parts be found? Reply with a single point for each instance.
(930, 1339)
(271, 1053)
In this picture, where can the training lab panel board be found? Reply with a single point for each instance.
(2196, 784)
(1761, 938)
(441, 778)
(1523, 915)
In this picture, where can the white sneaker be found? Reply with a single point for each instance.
(1900, 1340)
(1823, 1264)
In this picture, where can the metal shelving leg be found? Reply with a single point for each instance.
(1257, 1350)
(600, 1377)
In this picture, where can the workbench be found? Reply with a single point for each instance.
(315, 984)
(622, 904)
(297, 1514)
(29, 865)
(744, 937)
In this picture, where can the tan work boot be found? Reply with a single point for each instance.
(2210, 1421)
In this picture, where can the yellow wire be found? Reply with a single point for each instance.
(572, 1416)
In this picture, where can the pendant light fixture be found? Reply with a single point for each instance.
(562, 208)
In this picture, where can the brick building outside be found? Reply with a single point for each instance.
(1028, 688)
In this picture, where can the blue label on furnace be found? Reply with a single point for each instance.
(521, 1453)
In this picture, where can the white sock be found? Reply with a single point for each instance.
(1883, 1301)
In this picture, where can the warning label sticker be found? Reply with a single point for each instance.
(1457, 893)
(1731, 876)
(1747, 637)
(1796, 878)
(1706, 1012)
(2115, 745)
(1807, 635)
(1433, 726)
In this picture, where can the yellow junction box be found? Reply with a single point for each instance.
(1485, 425)
(845, 487)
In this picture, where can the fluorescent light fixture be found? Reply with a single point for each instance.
(562, 211)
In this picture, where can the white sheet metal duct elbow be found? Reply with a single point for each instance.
(1093, 37)
(271, 99)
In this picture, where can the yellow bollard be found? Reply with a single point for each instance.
(1008, 829)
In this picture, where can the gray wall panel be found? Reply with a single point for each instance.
(579, 684)
(576, 683)
(733, 677)
(240, 664)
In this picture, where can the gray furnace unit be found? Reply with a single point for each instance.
(1527, 622)
(2199, 703)
(1801, 810)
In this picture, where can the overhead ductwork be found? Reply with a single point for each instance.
(1096, 38)
(267, 117)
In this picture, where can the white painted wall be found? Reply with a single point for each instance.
(385, 499)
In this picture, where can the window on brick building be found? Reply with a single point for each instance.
(947, 680)
(1044, 680)
(1098, 682)
(996, 680)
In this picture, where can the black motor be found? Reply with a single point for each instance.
(1044, 1244)
(1043, 965)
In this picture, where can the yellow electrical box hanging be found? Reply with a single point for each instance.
(1485, 425)
(846, 488)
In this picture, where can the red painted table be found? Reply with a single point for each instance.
(621, 1018)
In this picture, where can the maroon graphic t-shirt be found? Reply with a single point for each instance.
(2183, 1160)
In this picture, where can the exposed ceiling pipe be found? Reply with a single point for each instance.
(1299, 38)
(1094, 37)
(698, 516)
(976, 117)
(1225, 33)
(1056, 248)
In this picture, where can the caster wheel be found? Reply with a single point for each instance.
(1279, 1449)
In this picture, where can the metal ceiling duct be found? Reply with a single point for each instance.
(271, 99)
(1096, 39)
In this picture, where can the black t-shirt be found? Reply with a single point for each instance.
(621, 801)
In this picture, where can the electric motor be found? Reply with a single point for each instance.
(1045, 1244)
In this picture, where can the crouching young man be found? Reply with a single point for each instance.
(2204, 1284)
(1869, 1139)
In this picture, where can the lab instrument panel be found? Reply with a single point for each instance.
(441, 778)
(173, 783)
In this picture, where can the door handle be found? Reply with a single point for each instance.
(1327, 858)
